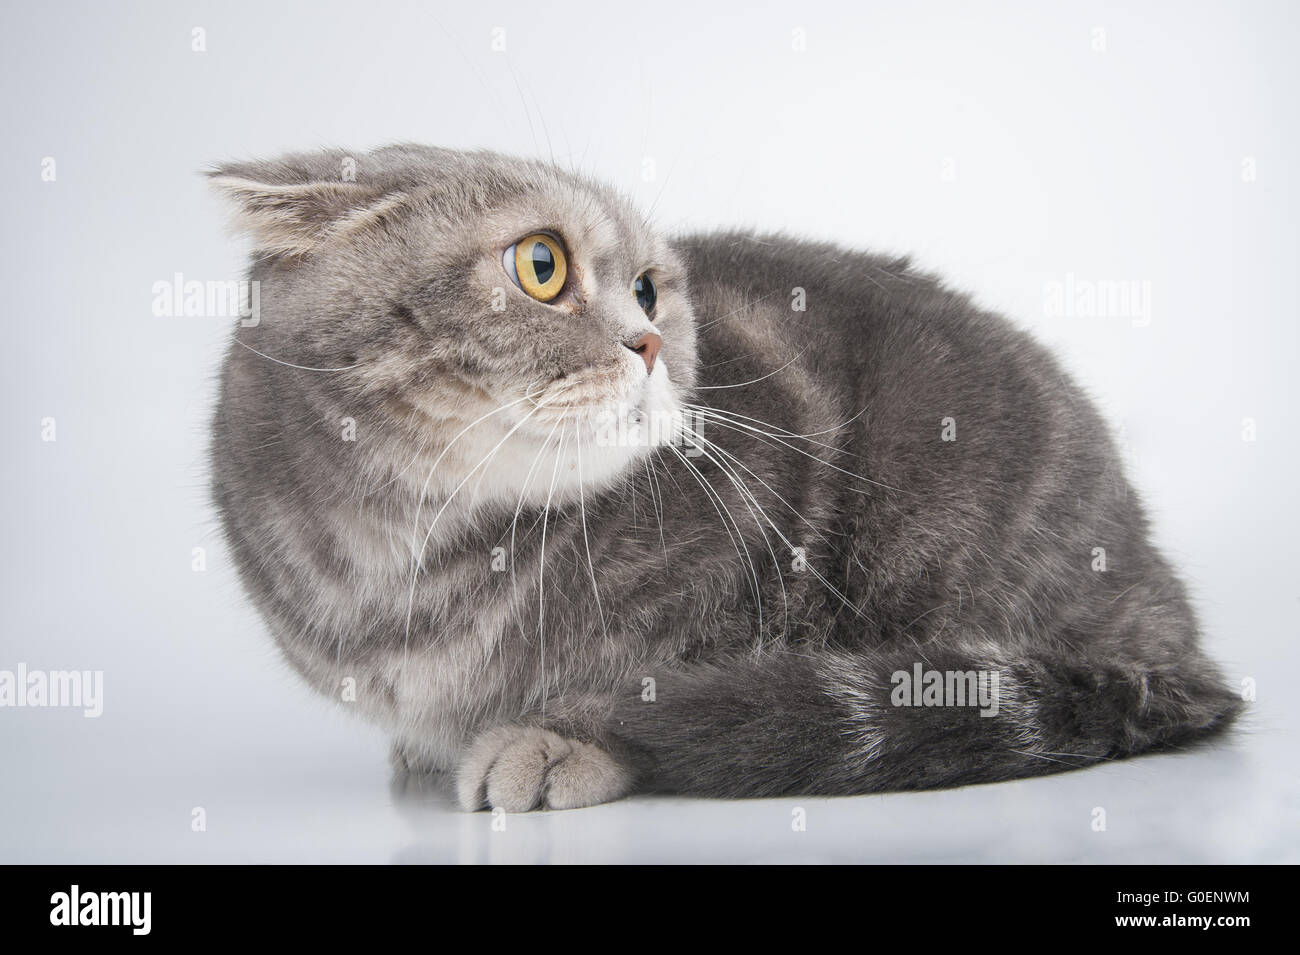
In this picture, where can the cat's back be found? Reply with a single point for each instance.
(856, 312)
(810, 334)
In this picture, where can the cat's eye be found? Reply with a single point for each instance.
(537, 264)
(644, 289)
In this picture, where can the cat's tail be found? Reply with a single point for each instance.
(908, 717)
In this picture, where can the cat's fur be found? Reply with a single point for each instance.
(588, 618)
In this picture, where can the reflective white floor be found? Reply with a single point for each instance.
(305, 786)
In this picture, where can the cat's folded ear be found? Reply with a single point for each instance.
(291, 208)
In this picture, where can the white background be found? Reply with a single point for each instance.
(994, 142)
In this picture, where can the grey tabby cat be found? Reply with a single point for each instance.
(577, 509)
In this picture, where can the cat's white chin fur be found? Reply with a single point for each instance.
(503, 464)
(584, 452)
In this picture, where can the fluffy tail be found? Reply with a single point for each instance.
(907, 718)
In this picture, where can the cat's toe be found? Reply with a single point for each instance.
(523, 768)
(585, 777)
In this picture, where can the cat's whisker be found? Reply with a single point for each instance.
(1050, 759)
(663, 186)
(785, 432)
(744, 489)
(419, 505)
(698, 438)
(424, 446)
(582, 509)
(491, 454)
(753, 381)
(417, 554)
(709, 414)
(776, 430)
(656, 495)
(746, 308)
(523, 101)
(288, 364)
(737, 538)
(755, 508)
(775, 441)
(541, 573)
(1083, 756)
(519, 504)
(514, 520)
(788, 543)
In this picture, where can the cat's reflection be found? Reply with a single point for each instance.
(445, 834)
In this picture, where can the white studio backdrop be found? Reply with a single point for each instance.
(1034, 154)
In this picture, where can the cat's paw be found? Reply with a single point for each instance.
(519, 768)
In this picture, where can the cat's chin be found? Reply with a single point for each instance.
(565, 451)
(605, 441)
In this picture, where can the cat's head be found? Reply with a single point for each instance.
(446, 289)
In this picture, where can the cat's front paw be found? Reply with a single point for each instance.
(519, 768)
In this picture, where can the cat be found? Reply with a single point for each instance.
(576, 510)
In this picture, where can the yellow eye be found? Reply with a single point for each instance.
(537, 265)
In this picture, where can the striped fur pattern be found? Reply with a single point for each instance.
(869, 493)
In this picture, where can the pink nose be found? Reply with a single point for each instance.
(647, 346)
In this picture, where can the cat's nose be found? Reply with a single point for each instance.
(647, 346)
